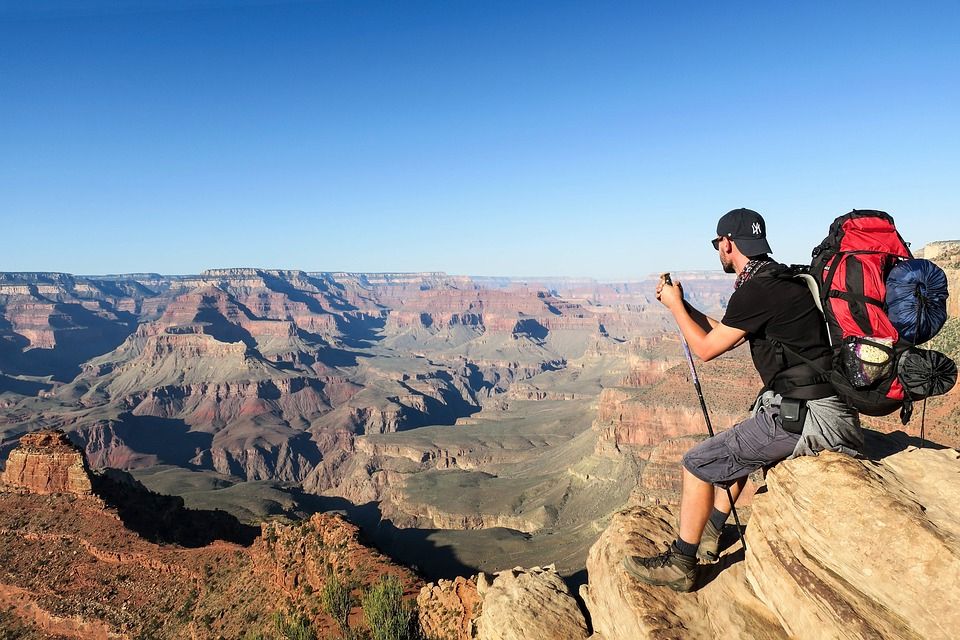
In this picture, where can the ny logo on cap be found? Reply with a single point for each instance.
(756, 229)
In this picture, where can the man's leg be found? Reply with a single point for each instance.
(677, 568)
(709, 548)
(696, 503)
(722, 502)
(725, 459)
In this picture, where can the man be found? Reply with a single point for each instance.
(796, 414)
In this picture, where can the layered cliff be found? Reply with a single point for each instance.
(46, 462)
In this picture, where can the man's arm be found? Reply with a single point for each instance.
(703, 321)
(707, 323)
(707, 337)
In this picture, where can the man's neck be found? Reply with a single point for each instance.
(739, 262)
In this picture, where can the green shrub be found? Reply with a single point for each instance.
(293, 627)
(336, 598)
(387, 614)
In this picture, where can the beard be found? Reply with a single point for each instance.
(727, 264)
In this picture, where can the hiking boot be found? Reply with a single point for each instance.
(669, 569)
(709, 549)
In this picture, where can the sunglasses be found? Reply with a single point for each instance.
(716, 242)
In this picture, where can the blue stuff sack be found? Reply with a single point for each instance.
(917, 300)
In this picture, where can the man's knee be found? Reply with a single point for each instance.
(689, 462)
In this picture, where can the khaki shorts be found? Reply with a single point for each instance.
(758, 441)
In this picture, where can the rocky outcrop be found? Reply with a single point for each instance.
(624, 609)
(302, 556)
(814, 541)
(811, 568)
(511, 605)
(449, 609)
(534, 603)
(128, 563)
(46, 462)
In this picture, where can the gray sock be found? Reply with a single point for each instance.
(718, 519)
(685, 548)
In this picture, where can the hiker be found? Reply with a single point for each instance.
(797, 413)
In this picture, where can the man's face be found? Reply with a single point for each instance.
(726, 259)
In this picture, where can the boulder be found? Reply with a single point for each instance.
(449, 609)
(529, 603)
(860, 549)
(622, 608)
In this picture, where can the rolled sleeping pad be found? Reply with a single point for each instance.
(917, 300)
(926, 373)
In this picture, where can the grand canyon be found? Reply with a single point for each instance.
(192, 456)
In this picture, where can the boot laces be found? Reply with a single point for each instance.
(660, 560)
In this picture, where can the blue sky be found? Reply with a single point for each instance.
(490, 138)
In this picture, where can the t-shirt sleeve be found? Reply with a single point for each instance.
(747, 309)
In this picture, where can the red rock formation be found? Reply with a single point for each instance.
(661, 479)
(294, 556)
(502, 311)
(46, 462)
(72, 568)
(626, 419)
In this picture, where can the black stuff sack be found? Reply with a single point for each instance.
(925, 373)
(917, 300)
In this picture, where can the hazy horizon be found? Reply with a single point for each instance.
(489, 276)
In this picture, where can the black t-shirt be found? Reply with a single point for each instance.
(778, 308)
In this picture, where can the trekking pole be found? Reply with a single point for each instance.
(706, 414)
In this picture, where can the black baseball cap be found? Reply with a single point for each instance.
(747, 228)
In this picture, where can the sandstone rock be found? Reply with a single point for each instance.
(622, 608)
(813, 567)
(47, 462)
(533, 603)
(449, 609)
(947, 256)
(483, 582)
(860, 549)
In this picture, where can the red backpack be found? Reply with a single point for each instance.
(851, 266)
(874, 369)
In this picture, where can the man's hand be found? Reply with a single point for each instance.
(670, 295)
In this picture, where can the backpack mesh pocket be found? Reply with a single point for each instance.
(866, 361)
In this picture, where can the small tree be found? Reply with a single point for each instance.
(388, 615)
